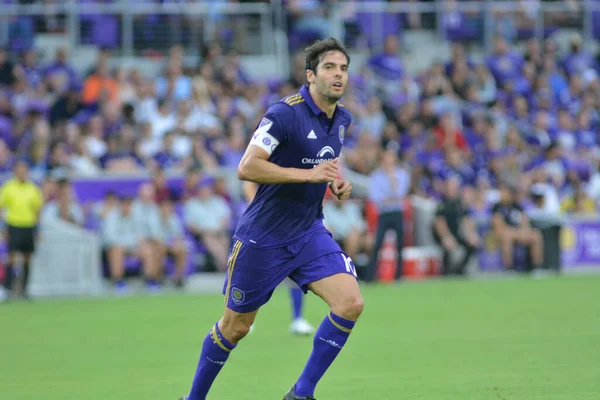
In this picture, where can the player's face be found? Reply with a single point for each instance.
(21, 171)
(332, 75)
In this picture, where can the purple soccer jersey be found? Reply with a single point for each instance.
(281, 234)
(297, 134)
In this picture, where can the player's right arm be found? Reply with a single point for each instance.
(274, 131)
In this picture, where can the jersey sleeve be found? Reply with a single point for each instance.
(274, 129)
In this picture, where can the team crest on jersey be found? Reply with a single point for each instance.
(237, 296)
(267, 141)
(342, 133)
(264, 121)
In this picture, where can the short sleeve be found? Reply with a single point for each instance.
(274, 129)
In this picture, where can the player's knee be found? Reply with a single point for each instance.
(235, 329)
(350, 308)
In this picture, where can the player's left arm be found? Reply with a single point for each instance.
(341, 188)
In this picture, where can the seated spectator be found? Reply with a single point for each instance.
(207, 218)
(146, 213)
(106, 206)
(64, 208)
(579, 202)
(345, 221)
(162, 190)
(172, 241)
(448, 133)
(119, 159)
(453, 229)
(190, 184)
(100, 86)
(511, 226)
(121, 237)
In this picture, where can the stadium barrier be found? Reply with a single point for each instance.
(66, 262)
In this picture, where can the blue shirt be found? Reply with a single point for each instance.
(383, 195)
(297, 134)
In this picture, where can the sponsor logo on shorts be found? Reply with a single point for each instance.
(237, 296)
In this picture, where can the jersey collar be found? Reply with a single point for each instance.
(309, 100)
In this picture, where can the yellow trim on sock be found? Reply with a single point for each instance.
(341, 328)
(234, 253)
(216, 340)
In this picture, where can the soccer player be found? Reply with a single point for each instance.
(299, 326)
(293, 156)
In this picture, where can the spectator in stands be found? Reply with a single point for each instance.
(190, 184)
(59, 75)
(388, 68)
(579, 202)
(345, 221)
(65, 207)
(388, 188)
(103, 208)
(7, 70)
(161, 186)
(122, 238)
(146, 214)
(21, 200)
(172, 240)
(174, 85)
(100, 86)
(454, 229)
(448, 134)
(118, 157)
(511, 227)
(207, 217)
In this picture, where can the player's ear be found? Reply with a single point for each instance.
(310, 76)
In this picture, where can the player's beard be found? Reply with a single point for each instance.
(328, 93)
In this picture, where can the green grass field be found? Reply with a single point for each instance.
(509, 339)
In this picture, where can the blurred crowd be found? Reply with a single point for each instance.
(526, 116)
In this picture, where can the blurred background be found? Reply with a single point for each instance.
(139, 111)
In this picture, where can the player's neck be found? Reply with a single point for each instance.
(322, 102)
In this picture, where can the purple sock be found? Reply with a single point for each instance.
(328, 342)
(215, 351)
(297, 296)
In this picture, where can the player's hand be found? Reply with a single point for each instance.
(341, 189)
(325, 172)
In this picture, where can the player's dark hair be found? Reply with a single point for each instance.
(316, 52)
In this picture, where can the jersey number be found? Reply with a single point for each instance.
(349, 265)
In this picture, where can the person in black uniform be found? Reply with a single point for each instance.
(453, 229)
(511, 226)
